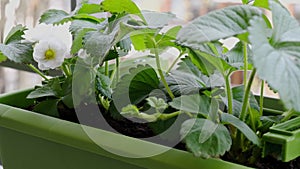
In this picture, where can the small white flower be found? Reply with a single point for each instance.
(49, 54)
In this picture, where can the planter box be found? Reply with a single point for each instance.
(30, 140)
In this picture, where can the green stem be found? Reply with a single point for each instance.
(261, 98)
(189, 114)
(246, 95)
(272, 111)
(161, 74)
(168, 116)
(229, 94)
(117, 69)
(287, 115)
(173, 64)
(66, 70)
(106, 68)
(252, 120)
(245, 63)
(33, 68)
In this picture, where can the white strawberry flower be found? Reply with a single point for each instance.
(49, 54)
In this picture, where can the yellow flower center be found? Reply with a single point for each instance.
(49, 54)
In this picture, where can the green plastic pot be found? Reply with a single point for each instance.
(30, 140)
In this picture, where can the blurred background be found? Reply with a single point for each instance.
(27, 12)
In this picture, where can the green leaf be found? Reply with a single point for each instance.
(83, 86)
(121, 6)
(89, 9)
(125, 45)
(277, 59)
(261, 3)
(17, 51)
(103, 85)
(243, 127)
(157, 19)
(15, 34)
(217, 25)
(14, 49)
(172, 33)
(78, 40)
(54, 16)
(203, 65)
(68, 100)
(205, 138)
(192, 103)
(158, 103)
(2, 58)
(136, 86)
(132, 111)
(238, 98)
(235, 56)
(52, 88)
(209, 58)
(269, 121)
(217, 62)
(77, 25)
(43, 91)
(245, 1)
(188, 79)
(139, 39)
(213, 80)
(112, 54)
(47, 107)
(85, 17)
(98, 44)
(214, 110)
(185, 83)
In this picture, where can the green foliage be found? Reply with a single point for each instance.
(14, 49)
(103, 85)
(15, 34)
(235, 56)
(57, 17)
(245, 1)
(132, 111)
(215, 114)
(41, 92)
(2, 58)
(243, 127)
(157, 19)
(121, 6)
(205, 138)
(98, 44)
(89, 9)
(217, 25)
(276, 57)
(78, 25)
(49, 105)
(78, 40)
(54, 16)
(238, 95)
(262, 3)
(17, 51)
(192, 103)
(159, 104)
(135, 86)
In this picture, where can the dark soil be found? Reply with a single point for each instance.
(271, 163)
(268, 163)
